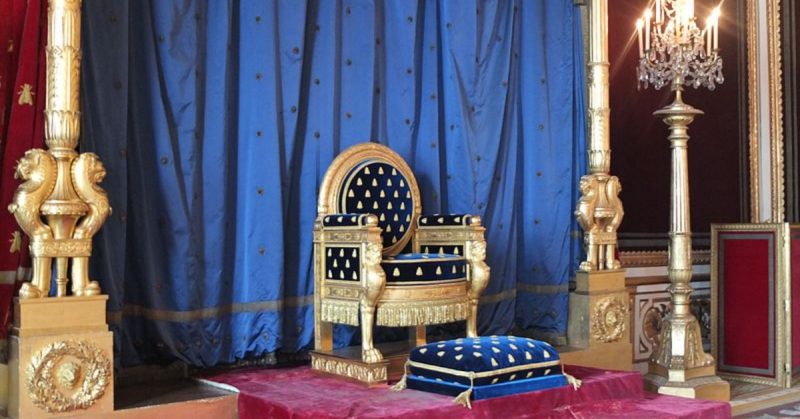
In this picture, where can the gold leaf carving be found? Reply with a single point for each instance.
(608, 319)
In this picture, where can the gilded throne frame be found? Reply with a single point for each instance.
(371, 299)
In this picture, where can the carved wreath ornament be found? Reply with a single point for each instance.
(68, 375)
(608, 319)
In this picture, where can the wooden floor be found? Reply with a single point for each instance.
(756, 400)
(186, 398)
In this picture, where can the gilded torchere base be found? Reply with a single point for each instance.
(680, 367)
(708, 387)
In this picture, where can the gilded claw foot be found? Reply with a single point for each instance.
(371, 356)
(92, 288)
(586, 266)
(29, 290)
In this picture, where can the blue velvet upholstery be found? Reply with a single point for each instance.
(423, 267)
(344, 220)
(375, 187)
(455, 249)
(444, 220)
(342, 263)
(484, 367)
(487, 391)
(484, 355)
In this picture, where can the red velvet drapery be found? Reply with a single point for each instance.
(23, 25)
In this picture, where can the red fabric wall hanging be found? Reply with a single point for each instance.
(22, 99)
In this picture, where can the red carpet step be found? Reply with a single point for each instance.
(298, 393)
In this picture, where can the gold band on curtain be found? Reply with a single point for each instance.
(178, 316)
(530, 288)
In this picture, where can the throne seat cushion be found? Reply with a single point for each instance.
(488, 366)
(423, 267)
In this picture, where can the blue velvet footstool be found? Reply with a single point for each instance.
(484, 367)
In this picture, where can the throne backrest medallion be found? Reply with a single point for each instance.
(372, 179)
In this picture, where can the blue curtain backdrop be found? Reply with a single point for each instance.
(217, 120)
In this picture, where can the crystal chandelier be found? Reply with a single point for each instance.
(672, 49)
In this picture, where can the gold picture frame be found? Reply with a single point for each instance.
(780, 356)
(757, 82)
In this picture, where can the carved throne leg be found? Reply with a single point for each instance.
(472, 319)
(417, 335)
(478, 280)
(369, 353)
(374, 282)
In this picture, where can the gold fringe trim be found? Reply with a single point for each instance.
(340, 312)
(418, 313)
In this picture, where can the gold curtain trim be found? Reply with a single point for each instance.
(500, 296)
(531, 288)
(484, 374)
(178, 316)
(429, 312)
(543, 289)
(340, 312)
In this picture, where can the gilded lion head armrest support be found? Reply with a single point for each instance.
(458, 234)
(369, 265)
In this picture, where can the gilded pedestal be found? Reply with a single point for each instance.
(599, 329)
(61, 360)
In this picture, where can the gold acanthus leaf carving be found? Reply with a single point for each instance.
(363, 373)
(68, 375)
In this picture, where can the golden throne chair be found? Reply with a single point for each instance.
(364, 275)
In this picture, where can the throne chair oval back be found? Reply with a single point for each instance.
(378, 261)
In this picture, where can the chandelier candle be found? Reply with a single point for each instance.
(676, 52)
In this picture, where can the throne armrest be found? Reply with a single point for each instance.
(459, 234)
(445, 220)
(447, 233)
(345, 220)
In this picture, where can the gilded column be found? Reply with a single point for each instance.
(61, 349)
(678, 365)
(62, 122)
(59, 185)
(598, 324)
(599, 211)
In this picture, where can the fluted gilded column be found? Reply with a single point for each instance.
(61, 186)
(598, 308)
(678, 365)
(61, 349)
(599, 210)
(62, 122)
